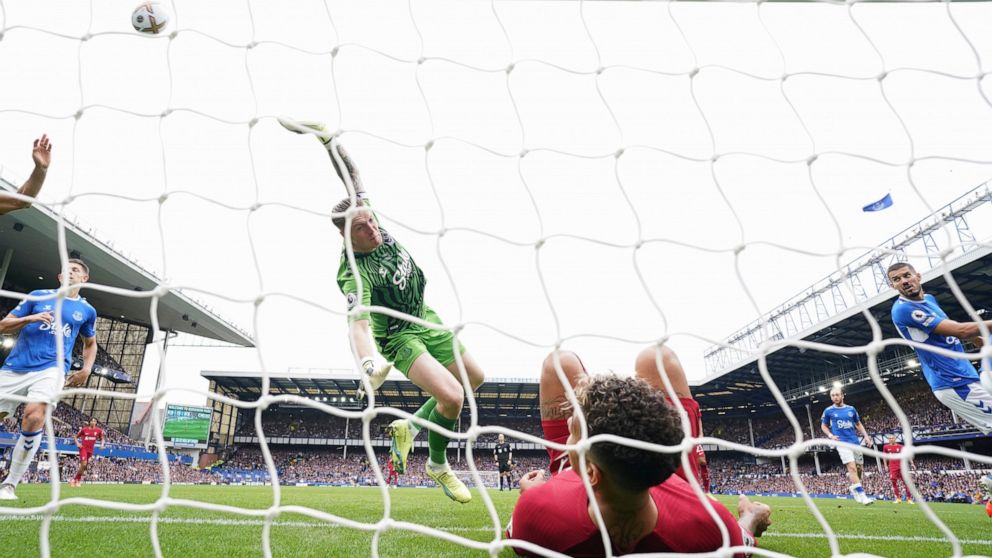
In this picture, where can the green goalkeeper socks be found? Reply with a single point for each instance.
(437, 443)
(424, 412)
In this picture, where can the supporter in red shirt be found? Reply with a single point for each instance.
(895, 468)
(85, 440)
(645, 507)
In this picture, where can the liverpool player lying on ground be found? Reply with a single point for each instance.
(645, 506)
(85, 440)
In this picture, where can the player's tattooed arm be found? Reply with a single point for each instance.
(555, 409)
(346, 164)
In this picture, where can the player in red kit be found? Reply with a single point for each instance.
(391, 477)
(895, 470)
(85, 440)
(644, 505)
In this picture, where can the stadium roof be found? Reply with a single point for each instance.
(496, 397)
(32, 234)
(805, 375)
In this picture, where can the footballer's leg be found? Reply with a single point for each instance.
(27, 446)
(428, 374)
(554, 404)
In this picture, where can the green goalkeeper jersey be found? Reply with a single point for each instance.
(389, 278)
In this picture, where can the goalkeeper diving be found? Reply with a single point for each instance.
(390, 278)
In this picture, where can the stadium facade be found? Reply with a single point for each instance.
(29, 260)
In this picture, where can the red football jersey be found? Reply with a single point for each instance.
(555, 516)
(894, 466)
(88, 436)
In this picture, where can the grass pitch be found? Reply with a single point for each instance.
(884, 529)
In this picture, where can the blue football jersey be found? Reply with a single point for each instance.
(36, 348)
(841, 421)
(916, 321)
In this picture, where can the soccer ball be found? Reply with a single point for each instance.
(149, 17)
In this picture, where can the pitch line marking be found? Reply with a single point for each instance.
(320, 524)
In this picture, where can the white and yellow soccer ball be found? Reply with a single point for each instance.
(149, 17)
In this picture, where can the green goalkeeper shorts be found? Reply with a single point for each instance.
(404, 347)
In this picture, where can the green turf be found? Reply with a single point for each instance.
(186, 534)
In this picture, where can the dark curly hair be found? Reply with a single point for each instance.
(631, 408)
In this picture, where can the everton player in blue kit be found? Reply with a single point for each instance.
(33, 369)
(842, 423)
(954, 381)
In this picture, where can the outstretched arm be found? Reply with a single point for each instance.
(41, 153)
(961, 330)
(345, 165)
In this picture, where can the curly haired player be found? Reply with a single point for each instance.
(644, 505)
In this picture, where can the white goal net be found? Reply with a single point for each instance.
(595, 176)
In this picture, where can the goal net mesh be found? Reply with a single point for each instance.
(595, 176)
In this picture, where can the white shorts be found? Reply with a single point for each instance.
(44, 384)
(971, 402)
(847, 456)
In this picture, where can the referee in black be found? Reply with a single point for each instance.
(504, 457)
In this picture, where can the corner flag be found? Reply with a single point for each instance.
(879, 205)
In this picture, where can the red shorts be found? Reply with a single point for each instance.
(896, 475)
(85, 454)
(696, 453)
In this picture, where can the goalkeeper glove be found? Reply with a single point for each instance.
(376, 376)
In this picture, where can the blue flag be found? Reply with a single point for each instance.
(879, 205)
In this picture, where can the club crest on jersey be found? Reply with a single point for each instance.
(352, 300)
(77, 315)
(919, 315)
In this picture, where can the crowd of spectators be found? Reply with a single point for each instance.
(333, 467)
(943, 486)
(310, 423)
(926, 416)
(67, 420)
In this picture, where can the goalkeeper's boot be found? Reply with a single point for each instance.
(402, 444)
(7, 492)
(452, 486)
(318, 129)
